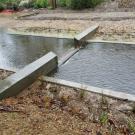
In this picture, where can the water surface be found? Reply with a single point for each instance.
(102, 65)
(17, 51)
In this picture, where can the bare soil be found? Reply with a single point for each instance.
(123, 30)
(46, 108)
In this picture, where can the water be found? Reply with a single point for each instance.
(18, 51)
(102, 65)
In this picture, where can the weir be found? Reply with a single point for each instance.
(106, 66)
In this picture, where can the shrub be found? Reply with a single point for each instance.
(131, 125)
(62, 3)
(41, 4)
(13, 6)
(68, 3)
(94, 2)
(79, 4)
(9, 4)
(27, 3)
(2, 7)
(75, 4)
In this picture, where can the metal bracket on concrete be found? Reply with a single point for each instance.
(20, 80)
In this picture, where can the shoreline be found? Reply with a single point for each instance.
(46, 107)
(108, 30)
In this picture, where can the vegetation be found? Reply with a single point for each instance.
(131, 125)
(41, 3)
(79, 4)
(81, 94)
(1, 7)
(72, 4)
(9, 4)
(103, 118)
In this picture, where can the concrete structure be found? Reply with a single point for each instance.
(85, 35)
(101, 91)
(67, 57)
(110, 42)
(46, 34)
(15, 83)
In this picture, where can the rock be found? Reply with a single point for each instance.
(48, 86)
(124, 108)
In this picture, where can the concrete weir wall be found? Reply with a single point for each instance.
(85, 35)
(100, 91)
(15, 83)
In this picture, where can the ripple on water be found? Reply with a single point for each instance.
(108, 66)
(17, 51)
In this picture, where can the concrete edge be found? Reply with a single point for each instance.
(88, 32)
(39, 34)
(111, 42)
(106, 92)
(20, 80)
(85, 35)
(68, 56)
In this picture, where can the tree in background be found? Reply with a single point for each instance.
(52, 4)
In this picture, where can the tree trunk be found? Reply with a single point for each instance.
(53, 4)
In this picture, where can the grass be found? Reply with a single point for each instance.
(104, 103)
(131, 125)
(103, 118)
(81, 94)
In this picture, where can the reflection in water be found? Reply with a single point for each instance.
(102, 65)
(18, 51)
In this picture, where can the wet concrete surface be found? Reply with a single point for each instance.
(17, 51)
(110, 66)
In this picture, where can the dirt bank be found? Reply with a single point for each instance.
(123, 30)
(46, 108)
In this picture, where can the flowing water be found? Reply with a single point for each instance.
(102, 65)
(17, 51)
